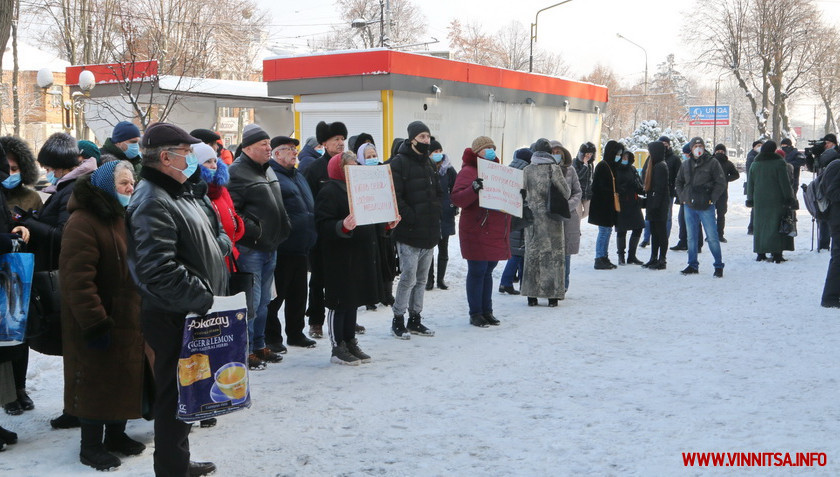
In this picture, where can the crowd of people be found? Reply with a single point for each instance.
(150, 227)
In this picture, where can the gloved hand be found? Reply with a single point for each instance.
(477, 185)
(101, 342)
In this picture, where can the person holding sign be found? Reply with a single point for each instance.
(352, 273)
(483, 232)
(417, 188)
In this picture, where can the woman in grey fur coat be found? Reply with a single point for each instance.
(545, 249)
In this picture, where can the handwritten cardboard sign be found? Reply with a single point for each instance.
(502, 185)
(370, 191)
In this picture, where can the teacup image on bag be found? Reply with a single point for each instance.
(232, 379)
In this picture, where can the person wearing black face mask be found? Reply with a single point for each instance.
(418, 192)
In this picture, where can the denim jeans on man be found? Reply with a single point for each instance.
(261, 264)
(602, 243)
(414, 266)
(513, 267)
(480, 286)
(693, 219)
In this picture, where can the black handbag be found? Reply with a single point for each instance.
(787, 225)
(43, 330)
(556, 204)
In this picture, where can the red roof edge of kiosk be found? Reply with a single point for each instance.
(114, 72)
(375, 62)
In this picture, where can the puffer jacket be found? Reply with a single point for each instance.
(417, 188)
(300, 205)
(700, 182)
(173, 254)
(483, 233)
(258, 200)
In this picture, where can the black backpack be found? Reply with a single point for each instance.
(815, 201)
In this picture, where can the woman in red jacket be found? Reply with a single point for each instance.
(484, 233)
(215, 174)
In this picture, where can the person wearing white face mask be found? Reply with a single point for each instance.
(124, 143)
(700, 183)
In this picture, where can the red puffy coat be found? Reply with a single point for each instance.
(231, 221)
(484, 233)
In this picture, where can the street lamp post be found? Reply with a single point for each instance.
(534, 33)
(714, 123)
(74, 108)
(646, 58)
(361, 22)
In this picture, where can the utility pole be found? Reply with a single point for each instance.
(534, 33)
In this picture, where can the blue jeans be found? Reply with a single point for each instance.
(480, 286)
(414, 266)
(568, 269)
(514, 265)
(706, 217)
(602, 243)
(261, 264)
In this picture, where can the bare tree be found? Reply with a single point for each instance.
(407, 25)
(6, 18)
(825, 81)
(769, 47)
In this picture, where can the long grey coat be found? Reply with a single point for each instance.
(545, 250)
(571, 227)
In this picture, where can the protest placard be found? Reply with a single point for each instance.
(502, 186)
(370, 191)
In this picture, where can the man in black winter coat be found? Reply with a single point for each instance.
(795, 158)
(417, 189)
(829, 155)
(178, 266)
(331, 137)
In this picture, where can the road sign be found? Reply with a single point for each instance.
(705, 115)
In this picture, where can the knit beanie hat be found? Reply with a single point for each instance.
(768, 148)
(103, 178)
(786, 142)
(720, 147)
(89, 149)
(542, 145)
(252, 134)
(60, 151)
(203, 152)
(481, 143)
(123, 131)
(687, 148)
(435, 145)
(416, 128)
(523, 154)
(697, 141)
(664, 139)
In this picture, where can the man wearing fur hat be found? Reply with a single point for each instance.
(124, 143)
(331, 137)
(700, 183)
(258, 200)
(418, 197)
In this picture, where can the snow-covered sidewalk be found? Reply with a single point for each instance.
(632, 369)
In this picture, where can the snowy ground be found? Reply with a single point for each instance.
(632, 369)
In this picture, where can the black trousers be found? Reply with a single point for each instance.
(342, 326)
(164, 333)
(824, 234)
(20, 364)
(442, 260)
(621, 241)
(290, 285)
(315, 312)
(721, 206)
(831, 289)
(658, 240)
(684, 231)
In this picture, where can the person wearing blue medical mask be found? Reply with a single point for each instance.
(446, 173)
(367, 155)
(124, 143)
(23, 174)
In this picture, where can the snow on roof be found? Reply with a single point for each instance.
(254, 89)
(31, 58)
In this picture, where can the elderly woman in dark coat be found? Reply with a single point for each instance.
(629, 218)
(104, 361)
(352, 272)
(770, 195)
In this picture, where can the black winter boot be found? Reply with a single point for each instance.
(116, 440)
(416, 327)
(441, 271)
(621, 259)
(398, 328)
(631, 251)
(93, 452)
